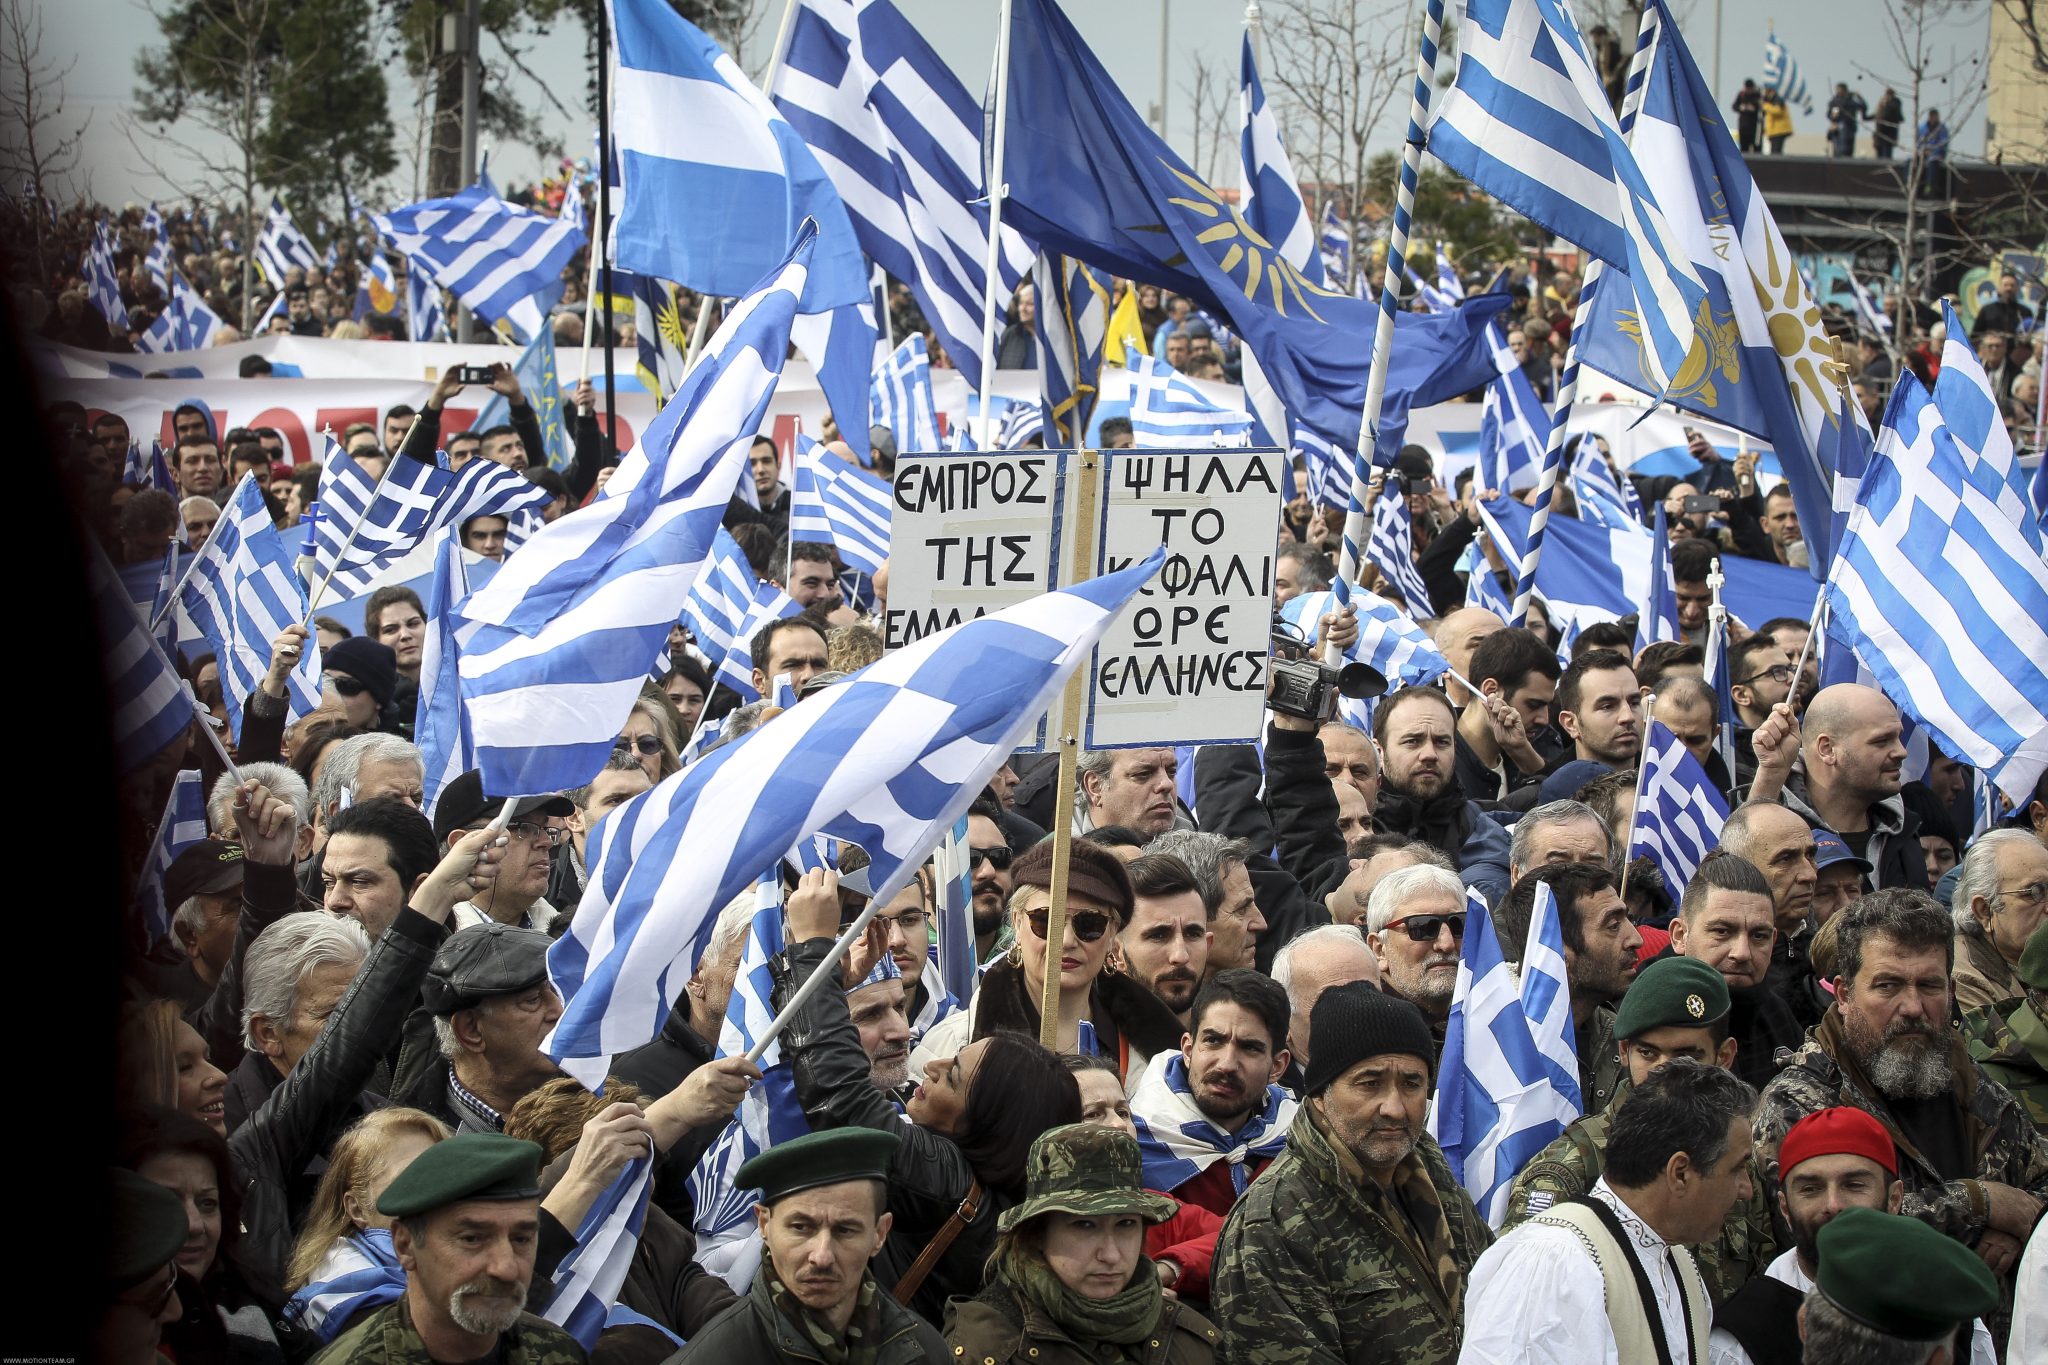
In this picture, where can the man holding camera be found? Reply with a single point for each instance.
(499, 378)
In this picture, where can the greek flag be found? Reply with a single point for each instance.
(1022, 421)
(447, 749)
(183, 825)
(1388, 639)
(152, 709)
(541, 381)
(900, 398)
(1072, 327)
(1448, 285)
(1781, 69)
(241, 593)
(727, 605)
(901, 139)
(572, 211)
(360, 1271)
(1528, 122)
(571, 624)
(1169, 413)
(1679, 815)
(736, 668)
(186, 324)
(588, 1279)
(839, 505)
(889, 759)
(1945, 598)
(102, 285)
(1970, 413)
(1334, 244)
(1594, 479)
(414, 501)
(281, 245)
(1500, 1098)
(1433, 296)
(278, 309)
(1658, 619)
(504, 263)
(158, 261)
(1514, 424)
(1392, 549)
(1271, 201)
(1547, 999)
(1724, 699)
(425, 319)
(717, 182)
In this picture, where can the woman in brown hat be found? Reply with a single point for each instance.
(1069, 1281)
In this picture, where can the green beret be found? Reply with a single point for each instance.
(832, 1157)
(1672, 992)
(466, 1167)
(146, 1228)
(2034, 958)
(1899, 1276)
(483, 962)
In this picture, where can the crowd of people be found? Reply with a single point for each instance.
(1762, 116)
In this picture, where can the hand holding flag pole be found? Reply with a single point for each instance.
(341, 557)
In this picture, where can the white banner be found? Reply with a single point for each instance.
(971, 533)
(1187, 663)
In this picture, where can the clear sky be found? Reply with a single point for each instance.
(1832, 39)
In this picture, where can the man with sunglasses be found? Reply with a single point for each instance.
(1414, 923)
(989, 868)
(519, 895)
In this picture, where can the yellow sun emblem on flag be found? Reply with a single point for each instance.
(668, 320)
(1264, 267)
(1716, 350)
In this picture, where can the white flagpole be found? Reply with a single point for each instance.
(590, 299)
(1642, 770)
(997, 189)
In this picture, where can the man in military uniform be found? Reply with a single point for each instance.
(1884, 1280)
(822, 1220)
(1355, 1244)
(1972, 1164)
(468, 1221)
(2009, 1040)
(1678, 1007)
(490, 1003)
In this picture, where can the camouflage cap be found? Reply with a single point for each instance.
(2034, 959)
(1086, 1168)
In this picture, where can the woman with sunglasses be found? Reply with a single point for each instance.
(1102, 1012)
(654, 732)
(972, 1121)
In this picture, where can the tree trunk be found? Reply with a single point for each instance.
(444, 148)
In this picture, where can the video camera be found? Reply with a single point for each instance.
(1303, 685)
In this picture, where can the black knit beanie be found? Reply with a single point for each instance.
(1361, 1022)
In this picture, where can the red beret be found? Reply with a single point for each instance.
(1840, 1131)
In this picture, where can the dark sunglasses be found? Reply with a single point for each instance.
(347, 686)
(1425, 928)
(997, 857)
(648, 745)
(1089, 925)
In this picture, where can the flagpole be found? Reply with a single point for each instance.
(313, 602)
(1636, 811)
(1383, 335)
(1717, 653)
(1568, 382)
(590, 305)
(604, 212)
(697, 330)
(997, 189)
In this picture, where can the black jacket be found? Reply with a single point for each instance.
(310, 1107)
(268, 894)
(1438, 565)
(426, 434)
(752, 1330)
(775, 516)
(1297, 819)
(594, 452)
(929, 1176)
(657, 1068)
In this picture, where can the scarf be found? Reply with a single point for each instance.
(1440, 820)
(1126, 1319)
(1177, 1141)
(1409, 1205)
(359, 1272)
(860, 1344)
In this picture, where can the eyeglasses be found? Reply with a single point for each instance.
(170, 1291)
(997, 857)
(348, 686)
(1781, 673)
(526, 832)
(911, 922)
(1425, 928)
(1088, 925)
(647, 745)
(2035, 893)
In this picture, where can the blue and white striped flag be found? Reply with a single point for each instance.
(441, 730)
(1593, 478)
(716, 212)
(1334, 245)
(1528, 121)
(1514, 424)
(1271, 201)
(195, 324)
(1329, 475)
(1169, 412)
(360, 1271)
(1945, 599)
(1448, 285)
(1499, 1100)
(415, 500)
(840, 344)
(102, 284)
(889, 759)
(721, 599)
(736, 668)
(241, 593)
(505, 263)
(1781, 69)
(281, 245)
(1658, 619)
(1072, 327)
(901, 138)
(1392, 549)
(1547, 999)
(1388, 639)
(425, 318)
(1970, 412)
(900, 397)
(158, 260)
(839, 505)
(152, 709)
(1718, 678)
(587, 1280)
(572, 623)
(572, 211)
(1680, 812)
(954, 957)
(1022, 421)
(183, 825)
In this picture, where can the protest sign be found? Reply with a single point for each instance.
(971, 533)
(1187, 663)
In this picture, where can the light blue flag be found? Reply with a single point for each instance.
(954, 956)
(1781, 69)
(280, 245)
(587, 1280)
(1658, 619)
(1388, 638)
(504, 262)
(1498, 1098)
(1168, 412)
(573, 622)
(1392, 548)
(889, 759)
(241, 593)
(1271, 200)
(151, 708)
(736, 666)
(1679, 812)
(425, 317)
(183, 825)
(717, 182)
(833, 503)
(1547, 1000)
(102, 284)
(1971, 413)
(158, 260)
(840, 344)
(719, 601)
(360, 1272)
(1514, 425)
(1528, 121)
(900, 397)
(1022, 421)
(441, 730)
(541, 382)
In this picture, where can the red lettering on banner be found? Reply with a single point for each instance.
(620, 430)
(297, 447)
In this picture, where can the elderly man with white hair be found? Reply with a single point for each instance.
(1414, 924)
(364, 766)
(2001, 898)
(1558, 832)
(1306, 966)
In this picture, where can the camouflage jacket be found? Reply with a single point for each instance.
(1995, 1128)
(1568, 1167)
(387, 1337)
(1307, 1269)
(1601, 1077)
(2009, 1041)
